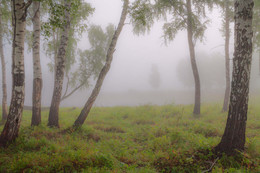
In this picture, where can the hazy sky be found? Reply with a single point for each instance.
(135, 55)
(133, 58)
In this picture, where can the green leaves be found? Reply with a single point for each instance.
(144, 12)
(79, 11)
(142, 16)
(91, 61)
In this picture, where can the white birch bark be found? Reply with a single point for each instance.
(37, 73)
(12, 125)
(53, 120)
(234, 135)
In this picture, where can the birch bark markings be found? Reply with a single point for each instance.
(12, 125)
(234, 135)
(109, 57)
(53, 120)
(4, 99)
(37, 73)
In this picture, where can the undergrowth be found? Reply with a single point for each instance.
(131, 139)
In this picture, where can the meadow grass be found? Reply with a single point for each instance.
(143, 139)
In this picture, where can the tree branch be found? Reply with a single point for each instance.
(211, 166)
(67, 86)
(72, 92)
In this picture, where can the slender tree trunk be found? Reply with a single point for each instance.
(4, 99)
(53, 120)
(227, 38)
(37, 73)
(12, 125)
(196, 109)
(109, 57)
(234, 135)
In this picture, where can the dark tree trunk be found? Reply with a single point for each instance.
(234, 135)
(227, 38)
(12, 125)
(196, 109)
(37, 73)
(109, 57)
(4, 99)
(53, 120)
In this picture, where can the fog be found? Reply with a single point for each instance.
(127, 82)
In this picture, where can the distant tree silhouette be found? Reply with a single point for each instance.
(155, 78)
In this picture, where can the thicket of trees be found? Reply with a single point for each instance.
(65, 24)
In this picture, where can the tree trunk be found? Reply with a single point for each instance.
(4, 99)
(55, 44)
(234, 135)
(227, 38)
(12, 125)
(37, 73)
(196, 109)
(109, 57)
(53, 120)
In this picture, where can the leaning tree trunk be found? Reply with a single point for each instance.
(53, 120)
(4, 99)
(227, 38)
(109, 57)
(11, 128)
(37, 73)
(234, 135)
(196, 109)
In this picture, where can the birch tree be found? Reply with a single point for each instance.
(12, 125)
(4, 13)
(76, 13)
(109, 57)
(227, 8)
(189, 15)
(234, 135)
(90, 61)
(53, 120)
(37, 73)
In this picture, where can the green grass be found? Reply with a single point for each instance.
(143, 139)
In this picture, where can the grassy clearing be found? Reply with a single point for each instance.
(131, 139)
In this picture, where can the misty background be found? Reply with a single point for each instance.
(127, 83)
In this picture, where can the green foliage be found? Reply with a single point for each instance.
(92, 60)
(131, 139)
(6, 18)
(180, 18)
(227, 9)
(79, 11)
(142, 16)
(144, 12)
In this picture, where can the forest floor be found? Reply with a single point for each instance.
(141, 139)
